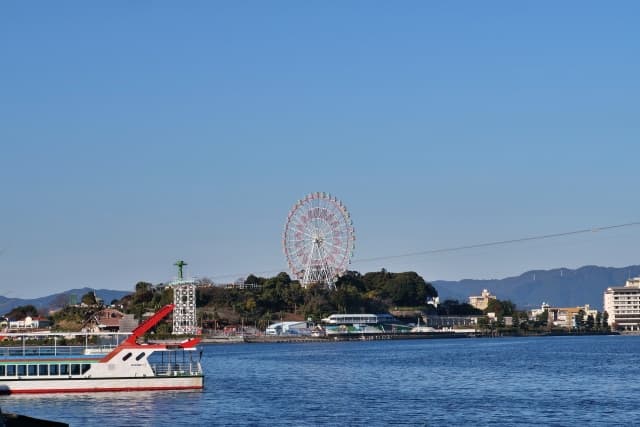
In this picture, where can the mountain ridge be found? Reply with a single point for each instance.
(58, 300)
(560, 287)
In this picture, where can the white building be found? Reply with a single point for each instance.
(622, 304)
(26, 323)
(288, 328)
(533, 314)
(350, 319)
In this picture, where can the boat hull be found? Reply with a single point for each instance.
(90, 385)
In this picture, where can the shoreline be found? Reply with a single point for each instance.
(284, 339)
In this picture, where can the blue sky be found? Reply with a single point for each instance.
(134, 134)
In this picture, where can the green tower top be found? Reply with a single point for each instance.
(180, 264)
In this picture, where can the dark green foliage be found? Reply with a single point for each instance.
(89, 298)
(590, 322)
(21, 312)
(279, 297)
(142, 287)
(579, 320)
(279, 293)
(455, 308)
(71, 317)
(353, 293)
(404, 289)
(500, 308)
(146, 298)
(253, 280)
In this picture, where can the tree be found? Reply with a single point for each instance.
(599, 324)
(89, 298)
(22, 311)
(543, 318)
(254, 280)
(143, 294)
(142, 287)
(455, 308)
(407, 289)
(590, 322)
(500, 308)
(579, 319)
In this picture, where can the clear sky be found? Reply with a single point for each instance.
(134, 134)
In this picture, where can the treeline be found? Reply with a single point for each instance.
(280, 296)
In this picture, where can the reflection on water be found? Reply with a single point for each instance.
(109, 409)
(558, 381)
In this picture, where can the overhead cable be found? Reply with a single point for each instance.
(465, 247)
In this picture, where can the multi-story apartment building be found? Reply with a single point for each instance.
(481, 302)
(622, 304)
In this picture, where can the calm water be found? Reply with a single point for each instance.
(511, 381)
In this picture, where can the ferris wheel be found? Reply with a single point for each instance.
(318, 239)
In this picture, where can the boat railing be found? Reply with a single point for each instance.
(177, 369)
(61, 350)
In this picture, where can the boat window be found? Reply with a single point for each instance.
(140, 356)
(43, 370)
(1, 370)
(22, 370)
(32, 370)
(64, 369)
(53, 369)
(75, 369)
(85, 367)
(11, 370)
(126, 356)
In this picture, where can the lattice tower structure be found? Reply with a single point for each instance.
(184, 313)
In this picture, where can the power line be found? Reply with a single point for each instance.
(498, 243)
(465, 247)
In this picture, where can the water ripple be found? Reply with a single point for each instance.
(514, 381)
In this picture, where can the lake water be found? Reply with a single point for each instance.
(508, 381)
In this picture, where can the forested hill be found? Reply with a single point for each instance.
(59, 300)
(561, 287)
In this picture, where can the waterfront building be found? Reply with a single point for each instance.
(481, 302)
(563, 317)
(348, 319)
(363, 324)
(622, 304)
(29, 322)
(439, 322)
(288, 328)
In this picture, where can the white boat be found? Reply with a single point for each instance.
(129, 366)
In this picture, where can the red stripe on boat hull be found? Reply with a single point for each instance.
(106, 389)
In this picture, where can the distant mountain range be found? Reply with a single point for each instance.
(560, 287)
(55, 301)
